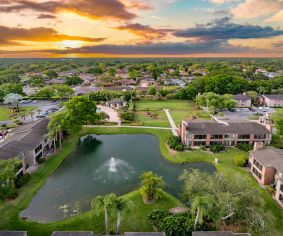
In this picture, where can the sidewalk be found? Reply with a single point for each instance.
(171, 121)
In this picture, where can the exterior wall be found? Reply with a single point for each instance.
(267, 173)
(244, 103)
(279, 191)
(271, 102)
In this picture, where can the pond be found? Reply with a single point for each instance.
(102, 164)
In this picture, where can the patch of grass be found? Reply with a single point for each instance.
(4, 113)
(179, 110)
(277, 114)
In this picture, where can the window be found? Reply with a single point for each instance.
(244, 136)
(229, 135)
(199, 143)
(255, 171)
(281, 198)
(247, 142)
(259, 166)
(38, 148)
(38, 156)
(259, 136)
(199, 136)
(216, 136)
(281, 188)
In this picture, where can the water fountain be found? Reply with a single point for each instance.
(112, 165)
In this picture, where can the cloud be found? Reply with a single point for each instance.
(278, 17)
(255, 8)
(223, 29)
(46, 16)
(135, 4)
(10, 36)
(185, 48)
(145, 31)
(94, 9)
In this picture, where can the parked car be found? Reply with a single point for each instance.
(232, 109)
(252, 109)
(40, 116)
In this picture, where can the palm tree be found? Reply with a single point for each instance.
(103, 204)
(121, 205)
(201, 206)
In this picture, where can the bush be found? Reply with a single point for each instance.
(21, 181)
(240, 161)
(10, 193)
(244, 147)
(41, 160)
(202, 148)
(175, 143)
(127, 116)
(215, 148)
(270, 189)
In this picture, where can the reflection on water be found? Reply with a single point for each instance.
(99, 165)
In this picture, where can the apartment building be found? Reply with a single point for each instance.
(243, 100)
(27, 142)
(271, 100)
(196, 133)
(266, 166)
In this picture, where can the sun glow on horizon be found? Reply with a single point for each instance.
(70, 44)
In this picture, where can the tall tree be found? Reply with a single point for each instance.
(121, 205)
(104, 204)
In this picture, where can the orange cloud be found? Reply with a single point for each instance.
(145, 31)
(94, 9)
(11, 36)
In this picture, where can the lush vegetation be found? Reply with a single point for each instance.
(175, 143)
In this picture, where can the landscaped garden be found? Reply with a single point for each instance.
(150, 112)
(137, 221)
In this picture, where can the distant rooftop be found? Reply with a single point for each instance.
(273, 96)
(242, 97)
(13, 233)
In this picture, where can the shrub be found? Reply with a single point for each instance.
(41, 160)
(270, 189)
(10, 193)
(215, 148)
(128, 116)
(202, 147)
(175, 143)
(240, 161)
(244, 147)
(21, 181)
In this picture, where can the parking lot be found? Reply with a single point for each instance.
(246, 114)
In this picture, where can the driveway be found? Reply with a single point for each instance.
(113, 114)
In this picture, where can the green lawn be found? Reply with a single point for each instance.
(150, 113)
(277, 114)
(4, 113)
(133, 221)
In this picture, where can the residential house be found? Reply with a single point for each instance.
(144, 234)
(80, 90)
(116, 103)
(55, 81)
(243, 100)
(126, 82)
(218, 233)
(27, 142)
(196, 133)
(145, 83)
(266, 166)
(271, 100)
(177, 82)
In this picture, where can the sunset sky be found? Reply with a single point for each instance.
(141, 28)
